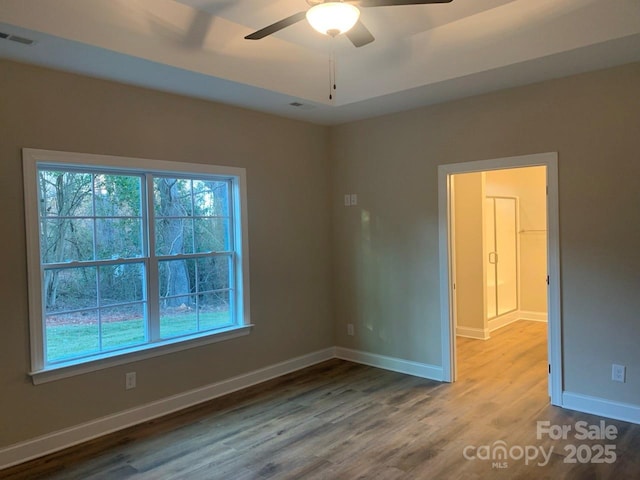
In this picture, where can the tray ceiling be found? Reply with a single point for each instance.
(422, 54)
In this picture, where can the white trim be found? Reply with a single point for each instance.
(58, 372)
(534, 316)
(499, 322)
(553, 289)
(423, 370)
(470, 332)
(550, 161)
(503, 320)
(242, 232)
(129, 163)
(32, 159)
(626, 412)
(31, 214)
(447, 300)
(46, 444)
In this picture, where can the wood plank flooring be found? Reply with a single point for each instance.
(340, 420)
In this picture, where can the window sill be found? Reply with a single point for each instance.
(70, 369)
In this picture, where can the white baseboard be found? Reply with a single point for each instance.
(46, 444)
(499, 322)
(503, 320)
(533, 316)
(416, 369)
(599, 406)
(470, 332)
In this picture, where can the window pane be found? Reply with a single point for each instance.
(174, 236)
(172, 197)
(65, 194)
(121, 283)
(72, 335)
(65, 240)
(177, 280)
(70, 289)
(213, 273)
(117, 195)
(118, 238)
(212, 235)
(178, 320)
(214, 310)
(211, 198)
(96, 215)
(122, 326)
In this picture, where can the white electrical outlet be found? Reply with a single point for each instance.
(618, 373)
(354, 199)
(350, 330)
(347, 200)
(130, 380)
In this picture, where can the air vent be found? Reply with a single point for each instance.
(17, 38)
(302, 106)
(22, 40)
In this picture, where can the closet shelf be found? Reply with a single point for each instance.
(532, 231)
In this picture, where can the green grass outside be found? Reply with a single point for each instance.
(72, 340)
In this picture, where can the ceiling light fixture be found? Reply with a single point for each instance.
(333, 18)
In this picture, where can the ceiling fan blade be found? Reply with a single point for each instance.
(392, 3)
(360, 35)
(276, 27)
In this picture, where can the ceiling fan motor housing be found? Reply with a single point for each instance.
(333, 18)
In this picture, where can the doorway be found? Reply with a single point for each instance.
(505, 207)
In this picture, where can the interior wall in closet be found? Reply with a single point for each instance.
(467, 240)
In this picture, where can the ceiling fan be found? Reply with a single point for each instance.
(333, 18)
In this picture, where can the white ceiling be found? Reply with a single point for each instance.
(422, 54)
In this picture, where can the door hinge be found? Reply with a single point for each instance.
(549, 368)
(547, 189)
(547, 279)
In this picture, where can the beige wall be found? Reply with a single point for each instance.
(529, 185)
(384, 251)
(592, 121)
(289, 234)
(469, 273)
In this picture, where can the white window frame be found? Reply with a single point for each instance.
(35, 158)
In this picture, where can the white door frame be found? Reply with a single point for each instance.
(549, 160)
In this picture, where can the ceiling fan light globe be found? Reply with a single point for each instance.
(327, 18)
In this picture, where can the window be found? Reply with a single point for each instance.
(130, 257)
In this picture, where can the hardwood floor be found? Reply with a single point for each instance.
(339, 420)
